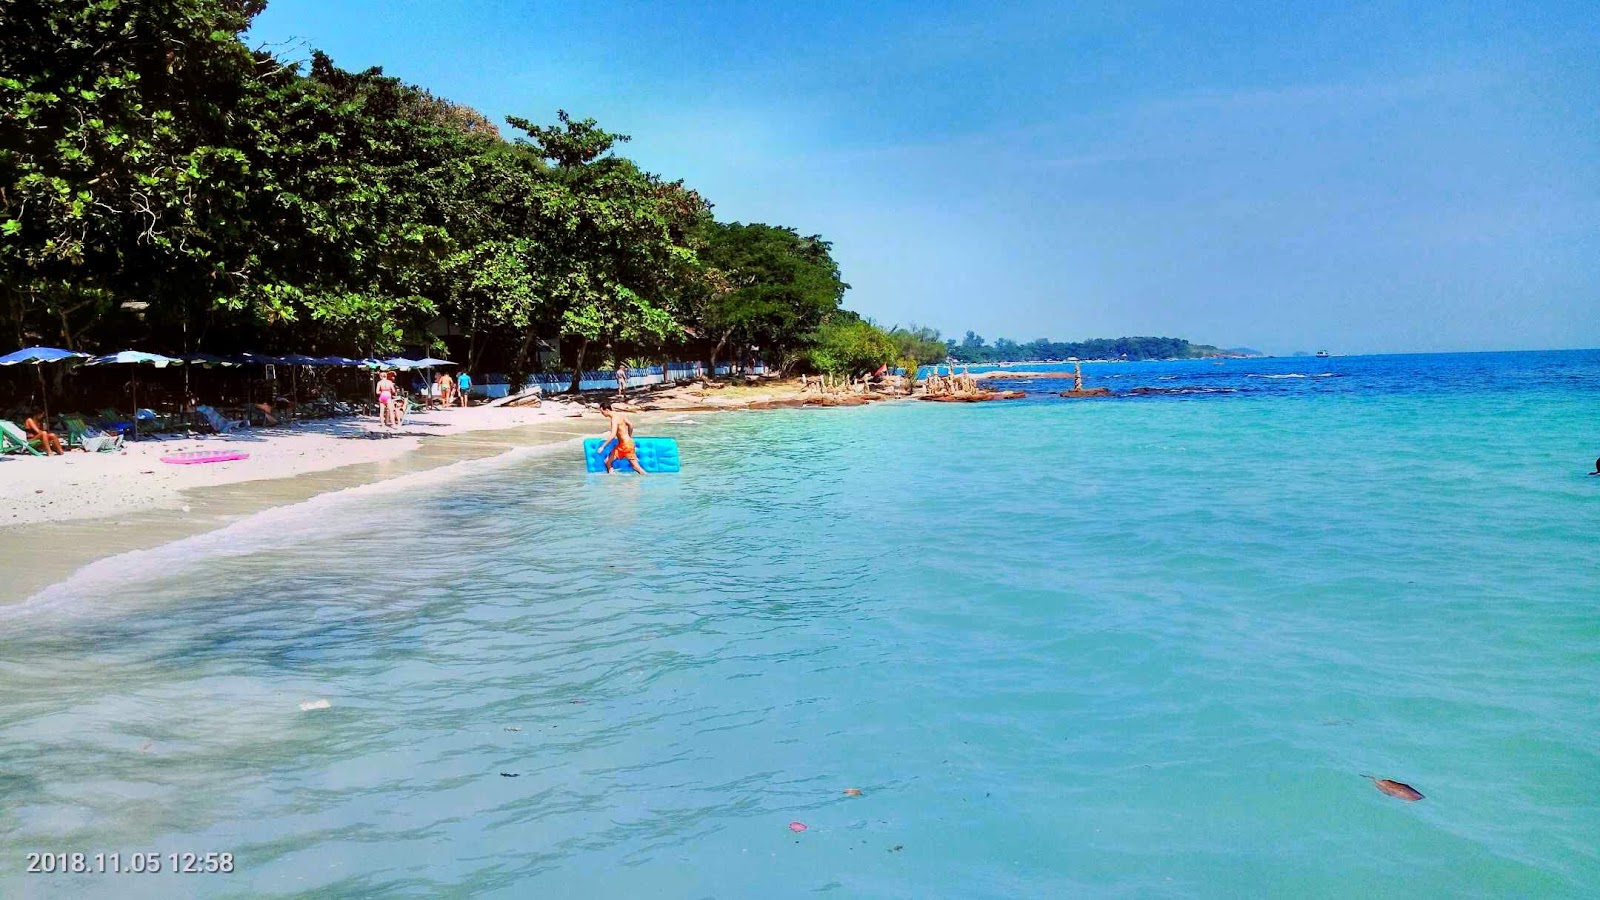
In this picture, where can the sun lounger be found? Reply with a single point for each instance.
(14, 440)
(218, 423)
(91, 439)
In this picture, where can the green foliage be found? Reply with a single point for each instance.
(146, 153)
(769, 287)
(922, 346)
(851, 347)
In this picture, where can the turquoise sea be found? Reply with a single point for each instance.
(1125, 648)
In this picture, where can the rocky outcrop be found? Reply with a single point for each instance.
(973, 396)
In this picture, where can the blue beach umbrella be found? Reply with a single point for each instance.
(36, 356)
(403, 364)
(207, 360)
(135, 358)
(430, 362)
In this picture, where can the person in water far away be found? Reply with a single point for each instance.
(1596, 468)
(620, 439)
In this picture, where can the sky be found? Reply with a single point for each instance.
(1286, 176)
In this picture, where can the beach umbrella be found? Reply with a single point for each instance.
(36, 356)
(430, 362)
(403, 364)
(207, 360)
(135, 358)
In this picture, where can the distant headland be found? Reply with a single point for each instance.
(974, 350)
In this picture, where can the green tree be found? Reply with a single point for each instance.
(772, 289)
(616, 243)
(851, 345)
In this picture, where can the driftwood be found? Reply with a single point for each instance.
(529, 397)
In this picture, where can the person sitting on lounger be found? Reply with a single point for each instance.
(49, 441)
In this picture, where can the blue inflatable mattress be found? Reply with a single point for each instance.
(656, 454)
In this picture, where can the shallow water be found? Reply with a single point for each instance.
(1064, 648)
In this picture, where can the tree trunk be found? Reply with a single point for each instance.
(519, 366)
(718, 349)
(577, 367)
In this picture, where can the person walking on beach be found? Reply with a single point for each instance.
(620, 439)
(463, 386)
(622, 379)
(49, 441)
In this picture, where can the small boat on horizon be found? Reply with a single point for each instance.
(1322, 354)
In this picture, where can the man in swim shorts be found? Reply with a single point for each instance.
(620, 439)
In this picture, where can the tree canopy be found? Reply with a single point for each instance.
(164, 186)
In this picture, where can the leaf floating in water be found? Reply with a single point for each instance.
(510, 774)
(1395, 788)
(852, 792)
(797, 827)
(512, 728)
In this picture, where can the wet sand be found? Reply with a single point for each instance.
(37, 555)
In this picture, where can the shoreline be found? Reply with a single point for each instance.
(38, 555)
(94, 513)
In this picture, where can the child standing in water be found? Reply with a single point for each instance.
(620, 438)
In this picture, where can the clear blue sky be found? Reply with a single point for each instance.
(1286, 176)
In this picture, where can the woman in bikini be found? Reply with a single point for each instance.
(385, 391)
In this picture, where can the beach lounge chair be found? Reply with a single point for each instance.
(113, 421)
(14, 440)
(91, 439)
(218, 423)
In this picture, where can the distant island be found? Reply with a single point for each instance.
(974, 350)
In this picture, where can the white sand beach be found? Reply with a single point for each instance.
(36, 490)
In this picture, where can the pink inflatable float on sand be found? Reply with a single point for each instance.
(195, 457)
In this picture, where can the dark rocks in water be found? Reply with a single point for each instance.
(1081, 393)
(1397, 789)
(973, 397)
